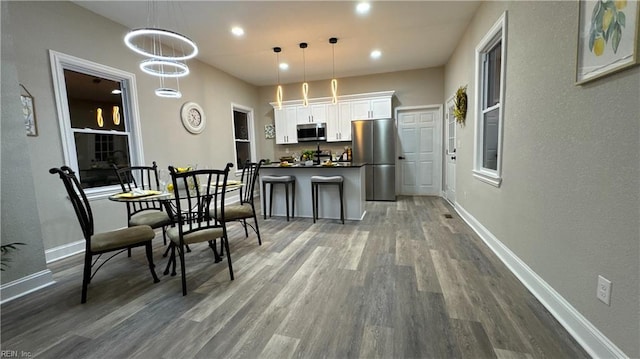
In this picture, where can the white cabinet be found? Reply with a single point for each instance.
(285, 120)
(339, 122)
(313, 113)
(371, 108)
(338, 117)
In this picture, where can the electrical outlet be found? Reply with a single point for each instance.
(604, 290)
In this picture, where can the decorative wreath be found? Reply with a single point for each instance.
(460, 105)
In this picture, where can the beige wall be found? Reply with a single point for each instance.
(569, 202)
(72, 30)
(19, 211)
(412, 88)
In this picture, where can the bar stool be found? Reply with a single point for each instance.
(272, 181)
(316, 181)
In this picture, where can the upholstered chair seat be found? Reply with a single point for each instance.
(238, 211)
(121, 238)
(152, 218)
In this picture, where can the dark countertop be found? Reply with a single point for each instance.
(300, 165)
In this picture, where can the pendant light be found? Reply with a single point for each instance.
(166, 50)
(115, 115)
(334, 82)
(305, 85)
(279, 89)
(99, 118)
(164, 91)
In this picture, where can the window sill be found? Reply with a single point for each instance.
(101, 192)
(489, 178)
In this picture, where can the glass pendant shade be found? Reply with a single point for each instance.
(279, 97)
(334, 91)
(305, 94)
(115, 115)
(99, 118)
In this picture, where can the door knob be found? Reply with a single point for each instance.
(401, 157)
(453, 157)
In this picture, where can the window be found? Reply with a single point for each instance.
(98, 125)
(243, 135)
(490, 70)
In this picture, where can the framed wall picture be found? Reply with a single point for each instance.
(607, 38)
(28, 112)
(269, 131)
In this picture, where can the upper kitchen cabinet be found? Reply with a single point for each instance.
(286, 125)
(338, 117)
(313, 113)
(339, 122)
(371, 106)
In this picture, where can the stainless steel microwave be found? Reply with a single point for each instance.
(312, 132)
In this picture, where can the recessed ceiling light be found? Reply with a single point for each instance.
(363, 8)
(284, 66)
(116, 92)
(237, 30)
(376, 54)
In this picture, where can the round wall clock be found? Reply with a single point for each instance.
(193, 117)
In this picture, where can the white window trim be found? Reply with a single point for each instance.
(491, 177)
(251, 129)
(60, 62)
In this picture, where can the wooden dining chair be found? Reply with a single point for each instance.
(199, 200)
(151, 213)
(97, 244)
(246, 209)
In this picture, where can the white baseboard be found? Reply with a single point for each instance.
(64, 251)
(585, 333)
(26, 285)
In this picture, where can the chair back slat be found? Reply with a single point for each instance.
(199, 198)
(78, 200)
(141, 177)
(250, 174)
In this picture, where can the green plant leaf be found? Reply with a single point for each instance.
(592, 39)
(615, 38)
(596, 9)
(622, 19)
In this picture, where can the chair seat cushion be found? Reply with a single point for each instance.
(121, 238)
(203, 235)
(236, 211)
(327, 179)
(277, 178)
(154, 219)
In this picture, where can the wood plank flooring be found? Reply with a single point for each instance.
(405, 282)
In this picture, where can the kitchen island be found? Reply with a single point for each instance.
(329, 205)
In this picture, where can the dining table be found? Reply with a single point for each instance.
(167, 198)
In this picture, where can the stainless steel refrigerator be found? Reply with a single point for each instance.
(374, 143)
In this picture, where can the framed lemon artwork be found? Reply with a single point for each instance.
(607, 38)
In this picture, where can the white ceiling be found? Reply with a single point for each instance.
(410, 34)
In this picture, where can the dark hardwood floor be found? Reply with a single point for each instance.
(406, 282)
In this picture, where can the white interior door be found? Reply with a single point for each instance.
(419, 158)
(450, 153)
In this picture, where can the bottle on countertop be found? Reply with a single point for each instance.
(349, 154)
